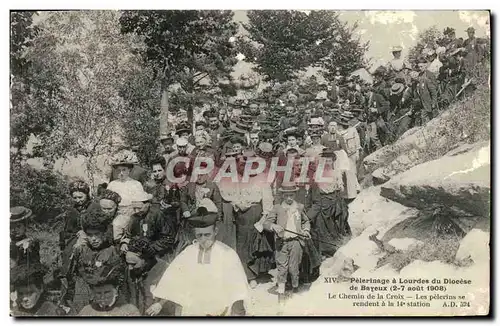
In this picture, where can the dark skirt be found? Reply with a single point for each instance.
(227, 228)
(311, 262)
(329, 222)
(184, 237)
(254, 249)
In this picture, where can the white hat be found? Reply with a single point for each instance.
(141, 195)
(208, 204)
(440, 50)
(317, 121)
(181, 141)
(322, 95)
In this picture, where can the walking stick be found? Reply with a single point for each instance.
(305, 237)
(464, 86)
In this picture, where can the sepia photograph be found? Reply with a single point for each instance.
(216, 163)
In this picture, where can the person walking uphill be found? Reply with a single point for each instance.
(288, 216)
(252, 201)
(329, 212)
(427, 92)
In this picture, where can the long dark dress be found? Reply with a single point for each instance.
(227, 227)
(311, 262)
(329, 221)
(254, 249)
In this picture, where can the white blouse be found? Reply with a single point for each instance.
(127, 190)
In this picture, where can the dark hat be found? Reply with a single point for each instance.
(240, 128)
(95, 220)
(291, 151)
(205, 215)
(380, 71)
(246, 118)
(343, 121)
(347, 113)
(19, 213)
(202, 219)
(265, 150)
(166, 136)
(111, 195)
(237, 140)
(397, 88)
(448, 31)
(342, 117)
(293, 131)
(231, 154)
(210, 114)
(357, 110)
(267, 134)
(24, 274)
(200, 123)
(288, 187)
(470, 29)
(328, 152)
(183, 127)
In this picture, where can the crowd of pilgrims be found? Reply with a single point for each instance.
(118, 240)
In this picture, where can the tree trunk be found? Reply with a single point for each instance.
(164, 127)
(190, 114)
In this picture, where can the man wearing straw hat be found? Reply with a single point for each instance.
(290, 223)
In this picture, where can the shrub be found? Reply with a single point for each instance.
(43, 191)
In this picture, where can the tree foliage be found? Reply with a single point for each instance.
(427, 38)
(141, 124)
(32, 85)
(83, 61)
(283, 43)
(191, 48)
(347, 52)
(22, 32)
(43, 191)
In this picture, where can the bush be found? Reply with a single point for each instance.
(437, 247)
(43, 191)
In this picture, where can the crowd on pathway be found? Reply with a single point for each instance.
(204, 223)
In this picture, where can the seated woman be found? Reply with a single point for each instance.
(96, 257)
(30, 292)
(105, 298)
(80, 194)
(126, 187)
